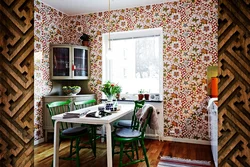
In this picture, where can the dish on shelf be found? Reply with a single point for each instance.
(71, 90)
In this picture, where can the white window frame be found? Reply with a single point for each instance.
(106, 73)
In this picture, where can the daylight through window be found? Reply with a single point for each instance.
(136, 63)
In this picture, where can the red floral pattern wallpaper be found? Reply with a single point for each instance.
(189, 47)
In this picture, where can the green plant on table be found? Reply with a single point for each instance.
(110, 89)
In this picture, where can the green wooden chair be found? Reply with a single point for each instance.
(129, 123)
(68, 131)
(83, 104)
(132, 136)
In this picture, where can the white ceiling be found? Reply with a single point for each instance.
(75, 7)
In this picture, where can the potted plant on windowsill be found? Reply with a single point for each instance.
(118, 92)
(140, 95)
(85, 39)
(146, 96)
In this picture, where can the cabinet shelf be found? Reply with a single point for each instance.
(60, 68)
(81, 69)
(76, 57)
(63, 57)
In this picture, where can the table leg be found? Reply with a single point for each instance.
(56, 144)
(109, 145)
(102, 133)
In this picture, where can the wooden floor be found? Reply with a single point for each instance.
(155, 149)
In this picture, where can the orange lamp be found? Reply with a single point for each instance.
(214, 87)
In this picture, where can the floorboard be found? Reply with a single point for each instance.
(155, 149)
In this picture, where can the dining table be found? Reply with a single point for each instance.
(123, 110)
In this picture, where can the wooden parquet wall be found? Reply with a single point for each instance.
(234, 85)
(16, 83)
(16, 86)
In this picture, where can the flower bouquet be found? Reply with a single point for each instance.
(110, 90)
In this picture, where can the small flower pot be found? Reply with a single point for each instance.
(146, 96)
(140, 96)
(85, 43)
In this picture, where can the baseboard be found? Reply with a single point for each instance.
(174, 139)
(156, 137)
(38, 141)
(186, 140)
(152, 136)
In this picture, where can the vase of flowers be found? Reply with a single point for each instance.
(110, 97)
(110, 90)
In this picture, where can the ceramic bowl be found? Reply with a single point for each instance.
(71, 90)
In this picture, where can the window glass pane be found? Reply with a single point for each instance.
(135, 65)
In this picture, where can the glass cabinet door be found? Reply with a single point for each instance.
(61, 62)
(80, 63)
(69, 62)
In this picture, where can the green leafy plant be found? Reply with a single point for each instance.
(119, 89)
(110, 89)
(141, 91)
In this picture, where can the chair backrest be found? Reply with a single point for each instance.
(82, 104)
(59, 107)
(143, 126)
(138, 104)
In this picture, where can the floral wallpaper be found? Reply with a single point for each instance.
(48, 28)
(189, 47)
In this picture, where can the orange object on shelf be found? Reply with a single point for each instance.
(214, 87)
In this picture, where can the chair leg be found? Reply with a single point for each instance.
(136, 149)
(71, 145)
(77, 152)
(133, 149)
(94, 140)
(121, 154)
(144, 152)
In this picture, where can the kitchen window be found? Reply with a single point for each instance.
(136, 61)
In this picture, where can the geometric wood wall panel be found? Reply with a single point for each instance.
(16, 83)
(234, 85)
